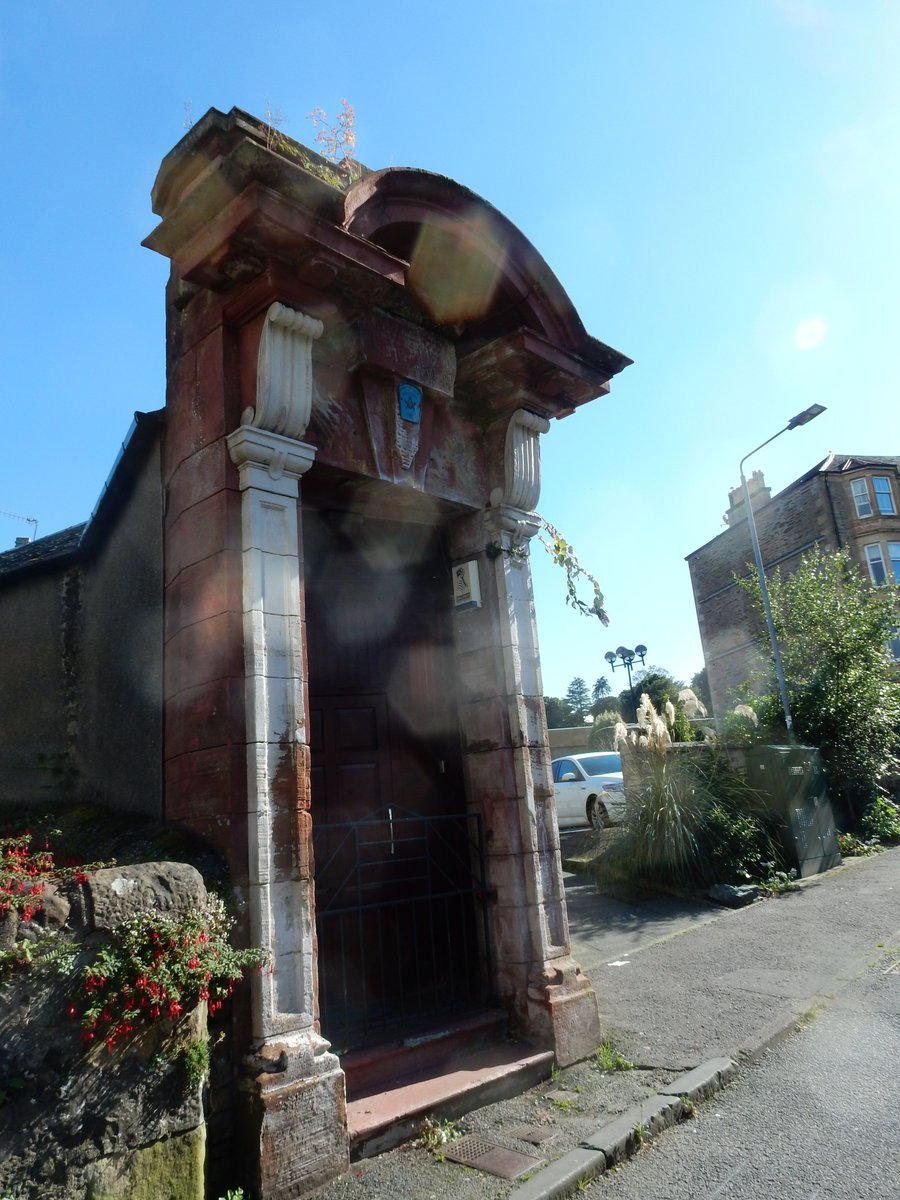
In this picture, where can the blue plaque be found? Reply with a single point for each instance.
(410, 400)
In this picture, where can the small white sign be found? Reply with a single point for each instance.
(466, 585)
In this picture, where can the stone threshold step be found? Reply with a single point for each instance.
(379, 1068)
(474, 1077)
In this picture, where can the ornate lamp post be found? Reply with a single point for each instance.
(802, 418)
(623, 657)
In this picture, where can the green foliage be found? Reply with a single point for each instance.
(690, 818)
(735, 844)
(436, 1133)
(158, 966)
(25, 873)
(660, 837)
(881, 820)
(47, 952)
(740, 726)
(852, 846)
(776, 882)
(563, 554)
(659, 685)
(600, 696)
(700, 687)
(578, 699)
(559, 715)
(833, 630)
(607, 1058)
(194, 1059)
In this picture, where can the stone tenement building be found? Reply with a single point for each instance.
(300, 622)
(849, 501)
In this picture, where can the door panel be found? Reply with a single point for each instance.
(394, 851)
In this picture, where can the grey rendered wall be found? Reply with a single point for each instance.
(119, 742)
(33, 747)
(81, 660)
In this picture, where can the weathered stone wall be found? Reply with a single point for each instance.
(95, 1123)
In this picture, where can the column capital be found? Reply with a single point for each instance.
(268, 460)
(509, 528)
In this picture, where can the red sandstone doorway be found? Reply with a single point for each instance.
(398, 862)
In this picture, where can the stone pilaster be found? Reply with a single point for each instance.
(295, 1085)
(508, 763)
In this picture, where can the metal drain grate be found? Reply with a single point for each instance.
(484, 1155)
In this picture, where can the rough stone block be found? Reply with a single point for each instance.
(173, 1168)
(300, 1132)
(117, 892)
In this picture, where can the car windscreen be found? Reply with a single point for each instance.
(600, 764)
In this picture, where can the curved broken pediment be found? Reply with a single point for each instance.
(469, 266)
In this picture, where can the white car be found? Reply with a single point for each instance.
(588, 789)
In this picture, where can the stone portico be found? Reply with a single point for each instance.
(358, 380)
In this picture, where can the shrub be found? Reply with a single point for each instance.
(881, 820)
(690, 818)
(157, 966)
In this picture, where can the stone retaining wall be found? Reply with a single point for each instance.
(88, 1122)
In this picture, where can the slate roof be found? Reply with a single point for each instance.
(49, 549)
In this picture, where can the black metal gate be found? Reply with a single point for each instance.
(402, 929)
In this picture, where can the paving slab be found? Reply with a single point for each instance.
(701, 992)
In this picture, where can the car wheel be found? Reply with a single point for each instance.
(598, 817)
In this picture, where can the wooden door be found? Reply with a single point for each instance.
(394, 848)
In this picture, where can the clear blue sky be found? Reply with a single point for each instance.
(715, 183)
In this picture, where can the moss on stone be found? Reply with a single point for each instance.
(171, 1169)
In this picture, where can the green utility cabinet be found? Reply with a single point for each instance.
(793, 778)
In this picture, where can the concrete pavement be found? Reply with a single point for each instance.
(682, 987)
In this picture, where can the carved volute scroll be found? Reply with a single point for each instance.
(284, 389)
(522, 460)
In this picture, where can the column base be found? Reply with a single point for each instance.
(562, 1010)
(296, 1108)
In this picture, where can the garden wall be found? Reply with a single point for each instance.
(76, 1119)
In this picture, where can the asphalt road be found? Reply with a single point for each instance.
(815, 1118)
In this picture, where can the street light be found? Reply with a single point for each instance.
(802, 418)
(627, 656)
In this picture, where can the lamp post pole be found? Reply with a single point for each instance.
(803, 418)
(627, 658)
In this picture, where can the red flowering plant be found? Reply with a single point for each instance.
(25, 873)
(156, 966)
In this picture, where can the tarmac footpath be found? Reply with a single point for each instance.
(689, 995)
